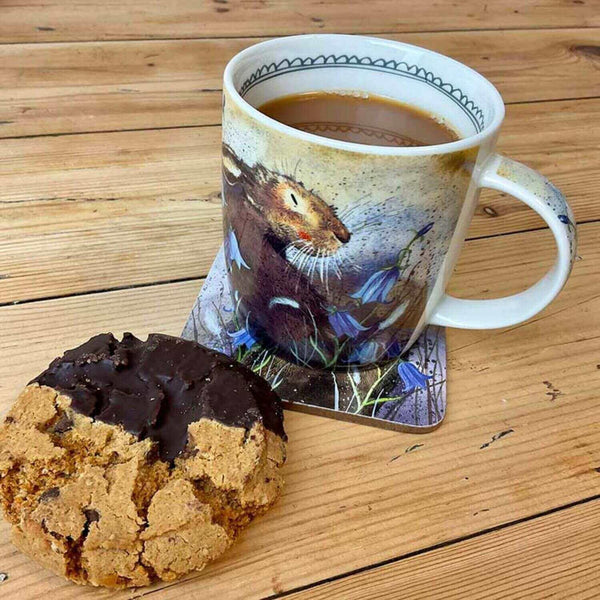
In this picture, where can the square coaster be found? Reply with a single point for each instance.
(406, 394)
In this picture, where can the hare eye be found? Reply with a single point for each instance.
(294, 199)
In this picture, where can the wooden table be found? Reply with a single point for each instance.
(110, 218)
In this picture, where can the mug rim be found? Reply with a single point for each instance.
(456, 146)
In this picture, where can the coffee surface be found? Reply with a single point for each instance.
(360, 118)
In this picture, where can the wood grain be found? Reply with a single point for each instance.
(347, 504)
(64, 20)
(557, 552)
(83, 213)
(117, 209)
(74, 87)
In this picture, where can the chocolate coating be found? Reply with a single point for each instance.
(156, 388)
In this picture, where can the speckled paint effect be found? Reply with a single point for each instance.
(546, 191)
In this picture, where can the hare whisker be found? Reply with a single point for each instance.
(321, 267)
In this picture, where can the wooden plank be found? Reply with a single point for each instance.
(552, 556)
(141, 207)
(74, 87)
(349, 501)
(64, 20)
(116, 205)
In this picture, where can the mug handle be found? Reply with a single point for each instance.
(532, 188)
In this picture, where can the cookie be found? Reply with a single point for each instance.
(128, 462)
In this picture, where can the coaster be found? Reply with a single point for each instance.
(406, 394)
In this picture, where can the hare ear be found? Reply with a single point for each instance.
(230, 167)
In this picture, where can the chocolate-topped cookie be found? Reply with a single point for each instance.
(126, 462)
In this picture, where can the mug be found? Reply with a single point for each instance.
(339, 253)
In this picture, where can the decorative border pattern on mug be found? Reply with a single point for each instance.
(394, 67)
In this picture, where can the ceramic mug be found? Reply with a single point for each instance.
(339, 253)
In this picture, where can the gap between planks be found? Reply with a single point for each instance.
(26, 20)
(218, 124)
(262, 36)
(146, 85)
(202, 276)
(544, 524)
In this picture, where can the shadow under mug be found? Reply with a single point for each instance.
(339, 253)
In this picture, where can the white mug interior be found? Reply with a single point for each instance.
(448, 90)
